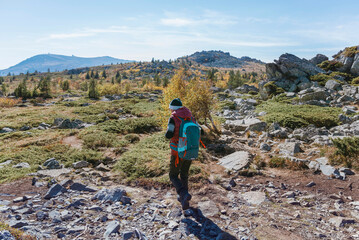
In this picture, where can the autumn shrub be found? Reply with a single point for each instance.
(195, 94)
(110, 89)
(281, 162)
(8, 102)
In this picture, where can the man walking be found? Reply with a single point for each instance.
(178, 166)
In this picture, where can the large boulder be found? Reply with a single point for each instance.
(250, 124)
(355, 66)
(236, 161)
(290, 65)
(349, 57)
(332, 84)
(319, 58)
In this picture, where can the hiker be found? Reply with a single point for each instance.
(179, 165)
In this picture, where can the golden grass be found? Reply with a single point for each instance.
(8, 102)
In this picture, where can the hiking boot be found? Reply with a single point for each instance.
(185, 201)
(180, 199)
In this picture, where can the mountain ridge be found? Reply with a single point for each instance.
(220, 59)
(56, 62)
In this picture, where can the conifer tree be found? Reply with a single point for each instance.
(93, 91)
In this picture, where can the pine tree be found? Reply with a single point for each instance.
(65, 85)
(97, 76)
(93, 91)
(45, 87)
(157, 80)
(87, 75)
(104, 74)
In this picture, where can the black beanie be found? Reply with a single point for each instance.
(175, 104)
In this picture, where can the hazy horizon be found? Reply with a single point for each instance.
(141, 30)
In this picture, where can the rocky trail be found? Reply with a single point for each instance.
(240, 200)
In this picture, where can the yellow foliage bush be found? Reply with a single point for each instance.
(8, 102)
(194, 93)
(150, 86)
(110, 89)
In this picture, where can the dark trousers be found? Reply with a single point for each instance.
(182, 169)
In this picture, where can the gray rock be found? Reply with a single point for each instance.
(265, 147)
(55, 191)
(340, 221)
(80, 164)
(254, 197)
(311, 184)
(289, 194)
(347, 171)
(236, 161)
(329, 170)
(319, 95)
(54, 173)
(75, 230)
(6, 235)
(251, 124)
(68, 124)
(7, 162)
(289, 148)
(208, 208)
(332, 84)
(112, 227)
(81, 187)
(127, 235)
(349, 110)
(355, 66)
(111, 195)
(6, 130)
(52, 163)
(41, 215)
(319, 58)
(17, 224)
(322, 160)
(25, 128)
(22, 165)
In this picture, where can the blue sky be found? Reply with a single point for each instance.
(140, 30)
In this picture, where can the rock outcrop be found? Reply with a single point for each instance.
(349, 57)
(288, 73)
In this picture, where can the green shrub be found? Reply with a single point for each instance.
(37, 155)
(147, 159)
(132, 125)
(347, 77)
(227, 105)
(277, 162)
(347, 151)
(355, 81)
(332, 65)
(272, 89)
(321, 78)
(350, 51)
(296, 116)
(132, 138)
(97, 139)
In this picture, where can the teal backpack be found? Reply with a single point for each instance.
(189, 139)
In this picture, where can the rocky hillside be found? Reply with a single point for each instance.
(52, 62)
(220, 59)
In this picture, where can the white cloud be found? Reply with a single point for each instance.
(208, 17)
(176, 22)
(69, 35)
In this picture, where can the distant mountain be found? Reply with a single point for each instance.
(44, 62)
(220, 59)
